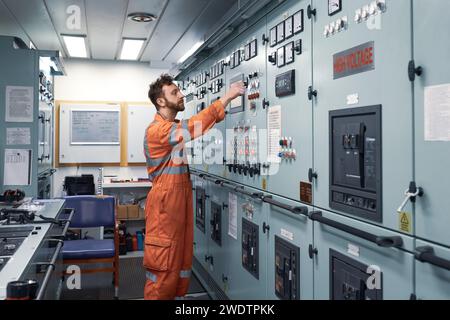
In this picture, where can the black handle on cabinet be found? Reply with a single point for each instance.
(224, 206)
(296, 210)
(254, 195)
(414, 71)
(312, 175)
(210, 259)
(266, 228)
(311, 93)
(312, 251)
(386, 242)
(311, 12)
(426, 254)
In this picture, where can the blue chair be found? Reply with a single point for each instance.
(93, 212)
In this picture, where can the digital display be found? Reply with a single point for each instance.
(285, 84)
(237, 104)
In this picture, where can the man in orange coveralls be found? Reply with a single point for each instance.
(169, 210)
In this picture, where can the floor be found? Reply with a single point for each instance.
(131, 284)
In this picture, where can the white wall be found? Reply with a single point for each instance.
(95, 80)
(99, 80)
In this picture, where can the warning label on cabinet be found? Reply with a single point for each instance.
(355, 60)
(405, 222)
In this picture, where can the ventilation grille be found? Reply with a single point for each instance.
(206, 280)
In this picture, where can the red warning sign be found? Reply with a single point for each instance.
(355, 60)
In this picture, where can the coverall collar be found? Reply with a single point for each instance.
(160, 118)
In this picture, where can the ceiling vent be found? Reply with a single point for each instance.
(142, 17)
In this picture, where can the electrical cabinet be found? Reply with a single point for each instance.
(430, 71)
(359, 261)
(27, 98)
(361, 56)
(290, 239)
(201, 228)
(432, 271)
(341, 138)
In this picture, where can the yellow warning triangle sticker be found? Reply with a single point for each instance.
(405, 222)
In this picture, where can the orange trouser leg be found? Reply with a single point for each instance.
(165, 242)
(183, 282)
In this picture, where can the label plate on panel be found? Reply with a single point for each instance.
(306, 192)
(355, 60)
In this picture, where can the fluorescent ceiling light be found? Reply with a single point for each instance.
(76, 46)
(190, 52)
(131, 49)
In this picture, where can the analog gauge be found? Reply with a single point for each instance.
(334, 6)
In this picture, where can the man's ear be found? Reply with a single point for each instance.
(161, 102)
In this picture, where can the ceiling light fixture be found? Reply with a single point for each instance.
(131, 49)
(76, 46)
(142, 17)
(190, 52)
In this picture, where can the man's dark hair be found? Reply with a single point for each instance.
(156, 88)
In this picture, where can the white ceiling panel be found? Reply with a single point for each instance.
(35, 20)
(179, 25)
(201, 27)
(178, 17)
(105, 20)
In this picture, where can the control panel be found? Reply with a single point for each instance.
(349, 279)
(287, 270)
(250, 247)
(216, 223)
(355, 161)
(200, 208)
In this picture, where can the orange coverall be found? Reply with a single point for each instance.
(169, 208)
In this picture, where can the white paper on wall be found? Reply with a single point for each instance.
(17, 169)
(19, 104)
(274, 134)
(18, 136)
(437, 113)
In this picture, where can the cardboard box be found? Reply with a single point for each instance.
(122, 212)
(133, 211)
(141, 213)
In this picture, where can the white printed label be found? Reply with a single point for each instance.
(353, 250)
(287, 234)
(353, 99)
(437, 113)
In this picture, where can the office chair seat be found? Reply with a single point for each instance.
(88, 249)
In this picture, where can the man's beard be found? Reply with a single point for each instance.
(176, 106)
